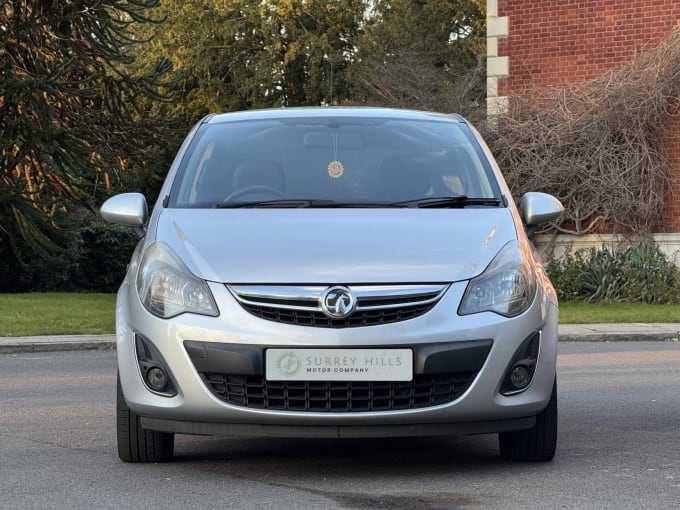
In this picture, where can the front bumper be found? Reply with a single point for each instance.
(480, 408)
(338, 431)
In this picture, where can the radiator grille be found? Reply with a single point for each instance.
(300, 305)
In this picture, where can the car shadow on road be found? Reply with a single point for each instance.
(364, 456)
(354, 473)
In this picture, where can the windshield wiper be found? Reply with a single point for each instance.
(304, 203)
(423, 203)
(452, 201)
(283, 203)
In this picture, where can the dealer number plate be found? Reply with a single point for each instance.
(339, 364)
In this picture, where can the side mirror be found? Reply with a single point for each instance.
(126, 209)
(537, 208)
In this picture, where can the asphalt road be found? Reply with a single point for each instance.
(619, 448)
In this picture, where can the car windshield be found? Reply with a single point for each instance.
(334, 162)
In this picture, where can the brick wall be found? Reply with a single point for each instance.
(671, 141)
(553, 42)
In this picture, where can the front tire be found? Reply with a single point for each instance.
(135, 443)
(537, 444)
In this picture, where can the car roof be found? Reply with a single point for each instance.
(331, 111)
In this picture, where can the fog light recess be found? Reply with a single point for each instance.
(521, 370)
(153, 369)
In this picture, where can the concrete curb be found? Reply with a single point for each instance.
(631, 332)
(621, 337)
(23, 344)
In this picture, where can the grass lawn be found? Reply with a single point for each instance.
(585, 313)
(54, 313)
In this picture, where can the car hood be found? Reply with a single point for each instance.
(328, 246)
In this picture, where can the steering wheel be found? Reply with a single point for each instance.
(254, 189)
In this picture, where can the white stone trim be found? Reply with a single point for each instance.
(497, 27)
(491, 86)
(492, 8)
(491, 46)
(497, 66)
(669, 243)
(496, 105)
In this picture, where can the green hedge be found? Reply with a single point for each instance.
(93, 258)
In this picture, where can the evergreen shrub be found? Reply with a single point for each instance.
(637, 274)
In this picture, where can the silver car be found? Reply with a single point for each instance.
(334, 273)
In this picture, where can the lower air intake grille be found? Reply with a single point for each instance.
(338, 397)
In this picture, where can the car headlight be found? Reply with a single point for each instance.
(506, 287)
(167, 288)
